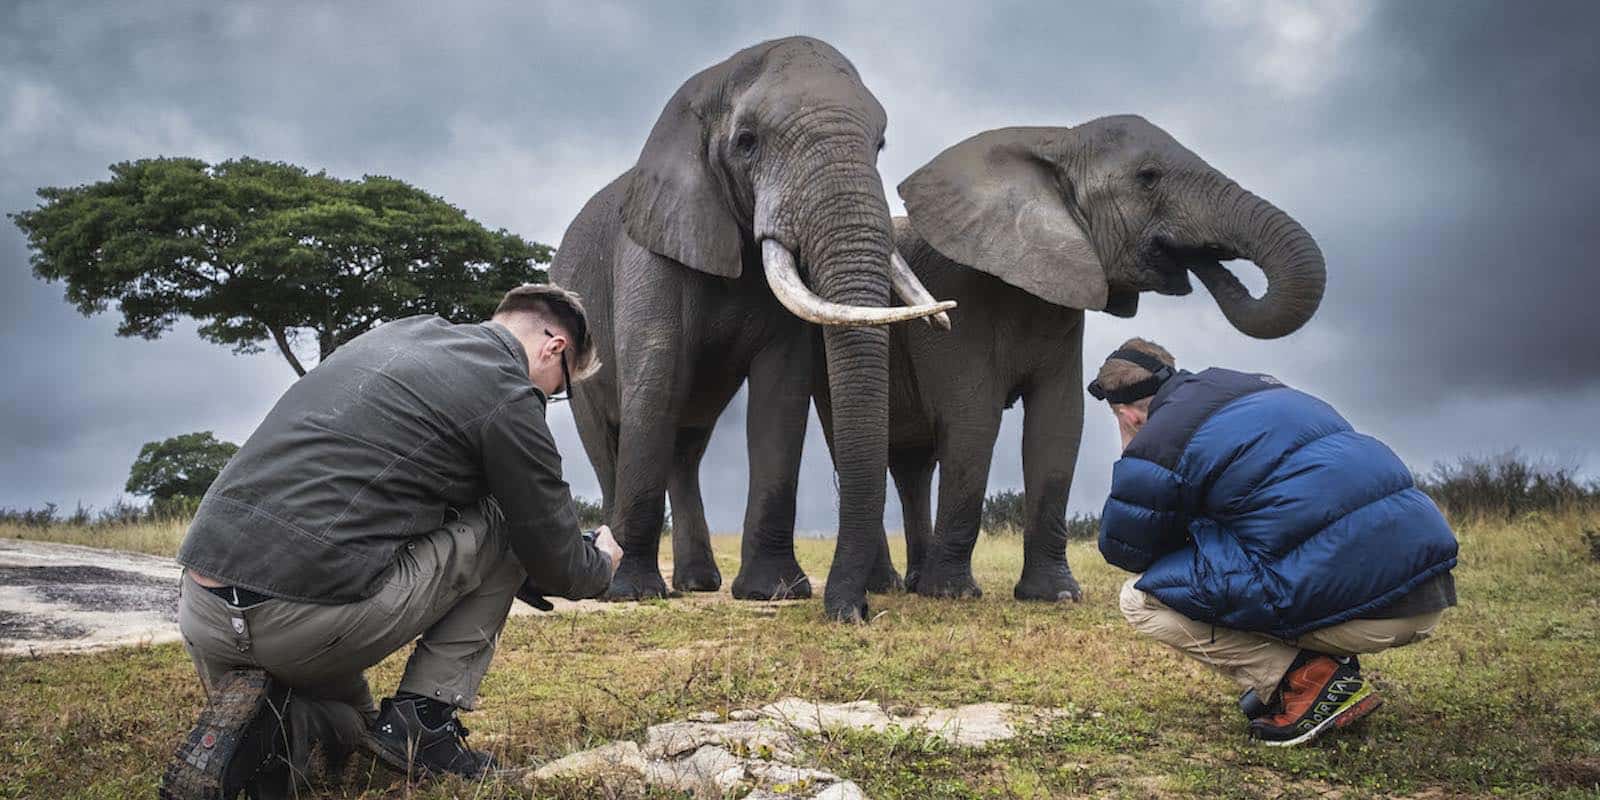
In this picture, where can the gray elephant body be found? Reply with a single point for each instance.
(1026, 228)
(690, 266)
(947, 393)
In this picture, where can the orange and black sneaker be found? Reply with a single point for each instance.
(1319, 693)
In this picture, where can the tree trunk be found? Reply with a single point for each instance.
(288, 352)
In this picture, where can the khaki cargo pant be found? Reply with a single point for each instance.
(1257, 661)
(452, 587)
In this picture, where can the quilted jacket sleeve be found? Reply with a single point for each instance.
(1143, 518)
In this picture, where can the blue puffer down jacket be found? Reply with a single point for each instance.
(1253, 506)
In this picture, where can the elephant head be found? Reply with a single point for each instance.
(776, 148)
(1087, 217)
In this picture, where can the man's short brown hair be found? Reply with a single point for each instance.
(560, 307)
(1117, 374)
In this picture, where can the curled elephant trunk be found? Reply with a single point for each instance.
(1296, 273)
(793, 293)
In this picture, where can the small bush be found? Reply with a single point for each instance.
(1505, 486)
(1083, 527)
(590, 513)
(1005, 514)
(31, 517)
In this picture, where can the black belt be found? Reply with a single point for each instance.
(236, 597)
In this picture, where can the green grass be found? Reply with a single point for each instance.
(1503, 701)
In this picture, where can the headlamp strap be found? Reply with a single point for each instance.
(1159, 374)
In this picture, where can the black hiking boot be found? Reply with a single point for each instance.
(236, 746)
(403, 742)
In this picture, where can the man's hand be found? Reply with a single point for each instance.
(608, 545)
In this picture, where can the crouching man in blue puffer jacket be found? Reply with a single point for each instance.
(1275, 542)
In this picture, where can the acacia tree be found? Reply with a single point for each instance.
(263, 251)
(175, 473)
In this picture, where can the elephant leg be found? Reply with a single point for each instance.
(965, 448)
(913, 479)
(599, 437)
(775, 423)
(883, 578)
(653, 373)
(1052, 430)
(694, 568)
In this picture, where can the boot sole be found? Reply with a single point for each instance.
(416, 770)
(1353, 710)
(206, 765)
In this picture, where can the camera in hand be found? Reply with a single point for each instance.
(534, 596)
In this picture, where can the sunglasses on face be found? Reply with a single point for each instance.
(566, 376)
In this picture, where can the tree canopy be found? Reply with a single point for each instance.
(263, 251)
(181, 467)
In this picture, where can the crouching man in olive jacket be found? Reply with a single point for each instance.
(403, 490)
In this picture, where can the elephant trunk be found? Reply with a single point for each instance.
(835, 219)
(858, 380)
(1296, 274)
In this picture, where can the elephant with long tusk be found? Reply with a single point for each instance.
(754, 215)
(1027, 228)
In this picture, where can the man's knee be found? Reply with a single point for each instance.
(1137, 606)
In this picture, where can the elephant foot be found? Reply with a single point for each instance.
(635, 581)
(846, 606)
(884, 580)
(702, 576)
(912, 576)
(957, 583)
(1053, 585)
(771, 579)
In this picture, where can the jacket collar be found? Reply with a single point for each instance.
(1165, 392)
(503, 334)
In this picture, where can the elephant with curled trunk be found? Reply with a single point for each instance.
(1026, 228)
(754, 213)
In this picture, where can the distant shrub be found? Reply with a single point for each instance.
(122, 512)
(590, 513)
(1506, 485)
(1083, 527)
(1005, 514)
(174, 508)
(31, 517)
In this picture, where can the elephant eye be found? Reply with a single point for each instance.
(1148, 177)
(745, 142)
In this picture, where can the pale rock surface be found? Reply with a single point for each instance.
(761, 750)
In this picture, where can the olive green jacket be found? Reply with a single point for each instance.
(377, 445)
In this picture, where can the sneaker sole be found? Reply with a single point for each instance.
(1359, 705)
(198, 768)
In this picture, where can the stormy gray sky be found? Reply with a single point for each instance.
(1441, 153)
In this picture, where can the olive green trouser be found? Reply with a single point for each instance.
(452, 588)
(1257, 661)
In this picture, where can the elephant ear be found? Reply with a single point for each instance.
(995, 203)
(675, 205)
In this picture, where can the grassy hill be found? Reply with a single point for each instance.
(1503, 701)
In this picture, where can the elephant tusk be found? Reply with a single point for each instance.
(910, 289)
(805, 304)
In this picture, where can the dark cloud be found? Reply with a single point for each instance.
(1441, 153)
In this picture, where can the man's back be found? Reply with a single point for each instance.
(372, 447)
(1256, 506)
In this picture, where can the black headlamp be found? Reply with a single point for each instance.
(1159, 373)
